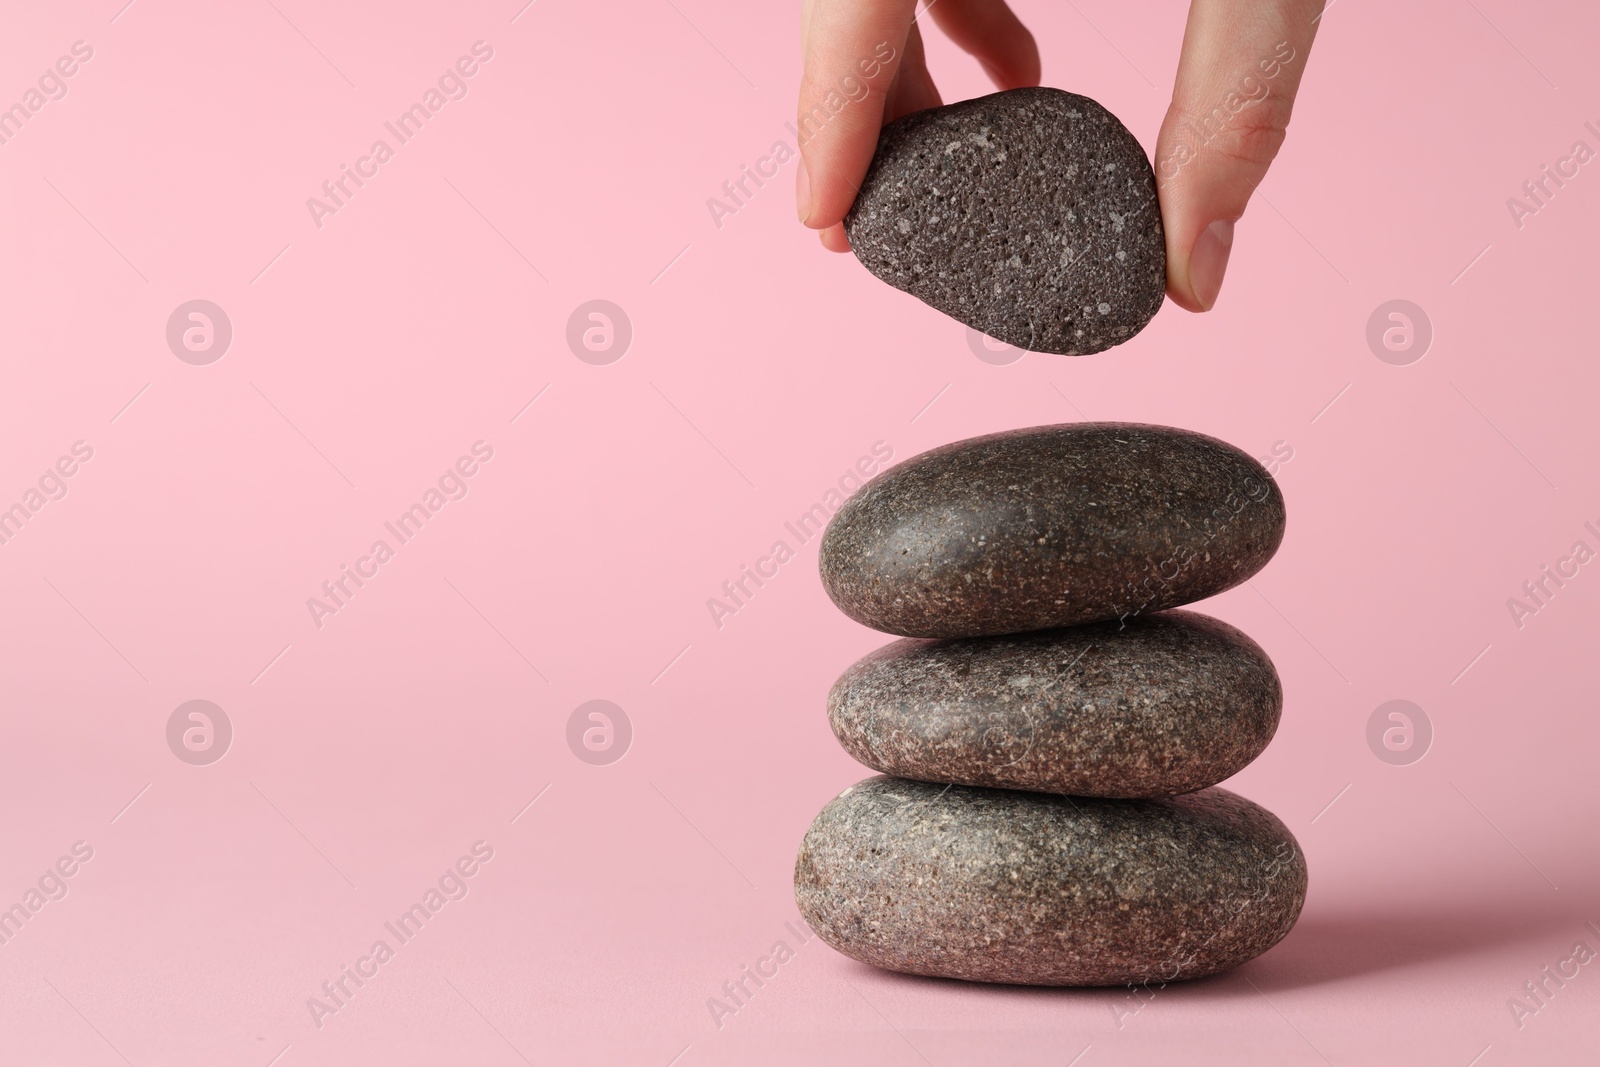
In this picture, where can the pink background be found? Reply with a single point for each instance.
(370, 353)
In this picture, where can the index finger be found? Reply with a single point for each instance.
(852, 51)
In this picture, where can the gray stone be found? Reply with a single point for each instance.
(996, 885)
(1166, 704)
(1030, 215)
(1051, 526)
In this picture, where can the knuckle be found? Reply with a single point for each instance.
(1250, 134)
(1255, 141)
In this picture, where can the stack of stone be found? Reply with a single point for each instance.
(1051, 732)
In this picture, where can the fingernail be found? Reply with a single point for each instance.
(802, 191)
(1209, 262)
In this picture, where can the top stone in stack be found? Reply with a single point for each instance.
(1051, 526)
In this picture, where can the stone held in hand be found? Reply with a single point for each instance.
(1030, 215)
(1164, 704)
(997, 885)
(1050, 526)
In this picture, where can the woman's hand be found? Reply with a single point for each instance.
(1231, 100)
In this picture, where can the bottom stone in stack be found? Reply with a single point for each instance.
(998, 885)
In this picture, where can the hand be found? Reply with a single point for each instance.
(1237, 77)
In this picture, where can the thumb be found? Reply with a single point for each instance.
(1237, 78)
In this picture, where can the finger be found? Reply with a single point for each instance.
(1237, 77)
(992, 34)
(834, 239)
(913, 89)
(855, 52)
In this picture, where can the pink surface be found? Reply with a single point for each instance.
(370, 753)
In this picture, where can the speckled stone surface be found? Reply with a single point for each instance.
(1050, 526)
(1030, 215)
(1167, 704)
(997, 885)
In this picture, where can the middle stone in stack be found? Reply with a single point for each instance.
(1074, 840)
